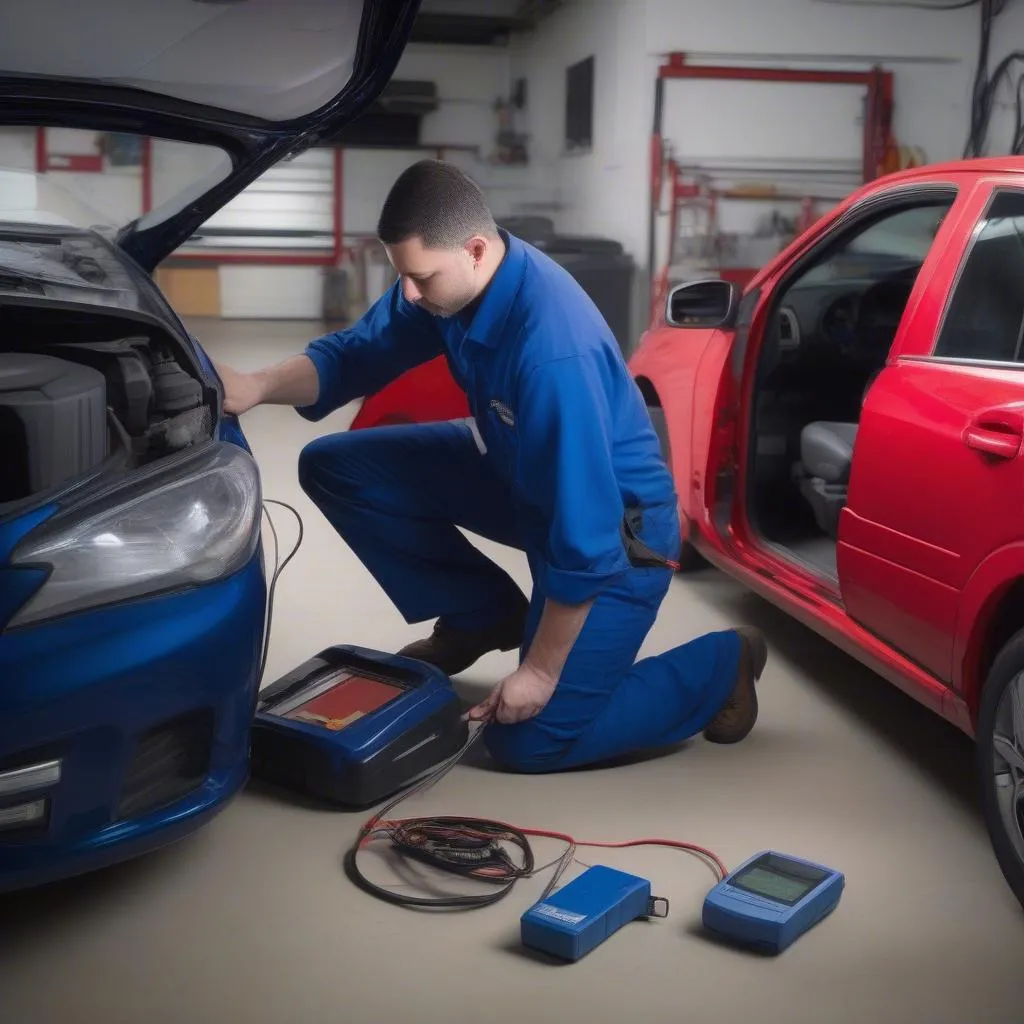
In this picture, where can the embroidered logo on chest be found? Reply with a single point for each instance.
(504, 412)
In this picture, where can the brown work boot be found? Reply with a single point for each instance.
(739, 713)
(454, 650)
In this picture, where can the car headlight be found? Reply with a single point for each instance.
(189, 523)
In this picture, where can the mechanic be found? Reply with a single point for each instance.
(560, 460)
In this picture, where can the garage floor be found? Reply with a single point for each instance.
(252, 920)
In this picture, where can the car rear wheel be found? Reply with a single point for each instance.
(689, 557)
(1000, 737)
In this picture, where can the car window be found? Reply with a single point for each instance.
(985, 316)
(836, 318)
(896, 242)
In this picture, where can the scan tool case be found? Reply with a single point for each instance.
(354, 726)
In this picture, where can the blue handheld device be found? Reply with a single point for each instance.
(354, 726)
(771, 900)
(569, 923)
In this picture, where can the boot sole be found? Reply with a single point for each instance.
(753, 658)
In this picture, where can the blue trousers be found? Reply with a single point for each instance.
(397, 494)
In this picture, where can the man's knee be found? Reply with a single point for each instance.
(312, 459)
(329, 466)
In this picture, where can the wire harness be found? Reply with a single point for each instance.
(486, 850)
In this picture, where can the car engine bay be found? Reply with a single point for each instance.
(83, 392)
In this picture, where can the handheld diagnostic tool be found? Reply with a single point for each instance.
(771, 900)
(354, 726)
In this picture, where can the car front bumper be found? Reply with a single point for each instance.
(139, 715)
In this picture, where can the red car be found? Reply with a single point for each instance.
(846, 434)
(847, 440)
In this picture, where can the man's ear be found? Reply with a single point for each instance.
(477, 248)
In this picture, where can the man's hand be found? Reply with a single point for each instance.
(517, 698)
(526, 692)
(242, 391)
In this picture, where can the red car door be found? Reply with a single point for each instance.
(937, 482)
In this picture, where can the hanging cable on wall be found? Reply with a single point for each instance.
(986, 87)
(920, 5)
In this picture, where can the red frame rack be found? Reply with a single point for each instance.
(878, 139)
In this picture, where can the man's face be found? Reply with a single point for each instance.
(441, 281)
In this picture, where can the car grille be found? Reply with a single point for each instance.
(171, 761)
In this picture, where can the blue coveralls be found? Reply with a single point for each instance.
(569, 447)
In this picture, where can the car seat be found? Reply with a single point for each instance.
(823, 473)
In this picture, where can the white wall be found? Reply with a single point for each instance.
(597, 192)
(18, 148)
(469, 81)
(931, 53)
(115, 195)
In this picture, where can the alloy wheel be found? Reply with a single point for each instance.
(1008, 763)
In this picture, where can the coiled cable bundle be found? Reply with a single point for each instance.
(471, 847)
(481, 849)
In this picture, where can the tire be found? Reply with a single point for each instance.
(1001, 771)
(689, 557)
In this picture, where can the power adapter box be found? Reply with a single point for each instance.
(583, 913)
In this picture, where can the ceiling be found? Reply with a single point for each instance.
(477, 22)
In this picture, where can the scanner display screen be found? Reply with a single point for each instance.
(338, 701)
(784, 883)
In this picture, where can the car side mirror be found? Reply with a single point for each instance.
(706, 304)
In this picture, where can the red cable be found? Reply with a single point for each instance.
(572, 842)
(378, 824)
(671, 843)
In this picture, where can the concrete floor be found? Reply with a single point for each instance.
(252, 920)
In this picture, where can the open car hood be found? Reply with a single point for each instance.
(258, 80)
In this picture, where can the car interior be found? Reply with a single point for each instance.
(830, 331)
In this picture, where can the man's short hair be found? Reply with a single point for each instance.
(438, 203)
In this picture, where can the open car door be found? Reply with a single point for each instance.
(938, 469)
(815, 331)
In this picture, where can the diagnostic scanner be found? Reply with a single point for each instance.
(354, 726)
(771, 900)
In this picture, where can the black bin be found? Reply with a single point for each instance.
(604, 271)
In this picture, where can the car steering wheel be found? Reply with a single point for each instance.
(839, 322)
(879, 314)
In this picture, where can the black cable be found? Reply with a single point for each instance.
(919, 5)
(932, 7)
(972, 146)
(475, 848)
(278, 569)
(988, 102)
(986, 87)
(463, 846)
(1018, 139)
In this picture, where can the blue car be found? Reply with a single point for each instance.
(133, 592)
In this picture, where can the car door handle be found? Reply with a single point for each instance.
(1000, 440)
